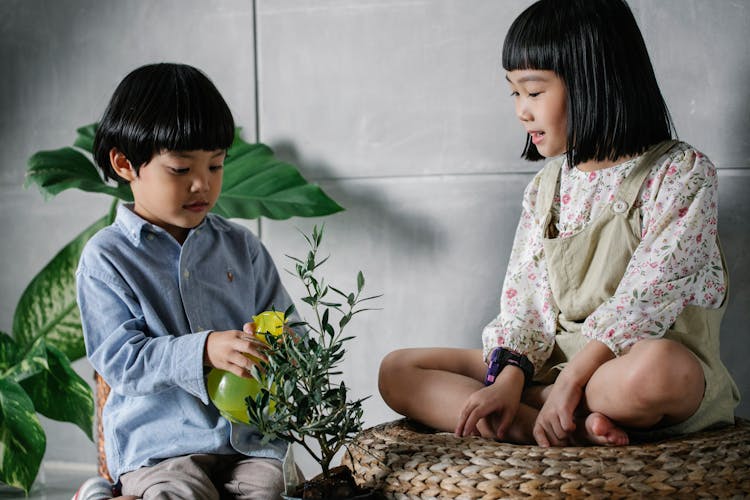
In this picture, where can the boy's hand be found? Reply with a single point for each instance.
(228, 350)
(497, 404)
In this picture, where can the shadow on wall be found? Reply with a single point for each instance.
(377, 215)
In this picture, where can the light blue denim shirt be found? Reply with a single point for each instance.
(147, 306)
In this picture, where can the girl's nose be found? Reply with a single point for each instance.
(522, 111)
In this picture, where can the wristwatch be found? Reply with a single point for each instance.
(500, 357)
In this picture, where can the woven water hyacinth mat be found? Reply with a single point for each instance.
(404, 460)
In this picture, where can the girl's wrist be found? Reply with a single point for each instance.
(512, 375)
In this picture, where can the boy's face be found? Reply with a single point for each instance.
(176, 189)
(541, 101)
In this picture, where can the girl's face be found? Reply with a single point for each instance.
(176, 189)
(541, 100)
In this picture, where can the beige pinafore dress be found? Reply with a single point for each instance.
(585, 269)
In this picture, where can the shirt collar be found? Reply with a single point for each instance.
(133, 225)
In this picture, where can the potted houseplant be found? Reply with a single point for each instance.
(35, 372)
(302, 399)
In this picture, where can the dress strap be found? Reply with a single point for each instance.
(548, 182)
(631, 185)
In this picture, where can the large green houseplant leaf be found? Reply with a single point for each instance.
(35, 371)
(35, 378)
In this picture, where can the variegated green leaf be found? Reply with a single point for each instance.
(22, 439)
(48, 306)
(9, 352)
(61, 394)
(33, 361)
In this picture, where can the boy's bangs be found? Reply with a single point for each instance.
(192, 120)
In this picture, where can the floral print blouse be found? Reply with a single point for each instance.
(677, 263)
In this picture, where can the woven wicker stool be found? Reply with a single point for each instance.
(405, 460)
(102, 391)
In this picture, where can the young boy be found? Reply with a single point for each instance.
(163, 290)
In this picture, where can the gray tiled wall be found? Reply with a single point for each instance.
(398, 108)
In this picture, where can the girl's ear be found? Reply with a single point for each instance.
(121, 165)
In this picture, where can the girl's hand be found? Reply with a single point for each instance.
(497, 404)
(555, 422)
(229, 350)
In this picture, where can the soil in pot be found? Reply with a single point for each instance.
(339, 485)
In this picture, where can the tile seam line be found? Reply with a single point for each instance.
(722, 171)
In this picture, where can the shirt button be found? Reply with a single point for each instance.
(619, 206)
(186, 273)
(150, 236)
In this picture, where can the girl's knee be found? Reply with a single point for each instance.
(664, 371)
(392, 369)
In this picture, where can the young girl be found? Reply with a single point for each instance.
(615, 289)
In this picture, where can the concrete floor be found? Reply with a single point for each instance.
(55, 481)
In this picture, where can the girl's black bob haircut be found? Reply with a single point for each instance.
(162, 107)
(614, 104)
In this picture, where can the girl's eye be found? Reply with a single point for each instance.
(514, 94)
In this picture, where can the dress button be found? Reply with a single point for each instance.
(619, 207)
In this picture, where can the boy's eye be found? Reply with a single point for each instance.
(179, 170)
(215, 168)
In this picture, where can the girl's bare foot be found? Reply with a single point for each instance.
(601, 430)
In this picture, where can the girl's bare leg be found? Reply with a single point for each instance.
(432, 385)
(658, 382)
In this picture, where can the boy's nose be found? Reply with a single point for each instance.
(199, 184)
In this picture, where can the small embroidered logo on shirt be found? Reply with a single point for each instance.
(230, 276)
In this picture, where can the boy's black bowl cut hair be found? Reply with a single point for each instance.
(162, 107)
(614, 105)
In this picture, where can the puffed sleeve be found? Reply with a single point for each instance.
(678, 261)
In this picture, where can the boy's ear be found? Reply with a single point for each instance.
(121, 165)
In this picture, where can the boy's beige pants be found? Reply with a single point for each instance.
(207, 477)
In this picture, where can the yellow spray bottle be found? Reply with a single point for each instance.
(228, 391)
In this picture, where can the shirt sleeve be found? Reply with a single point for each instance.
(527, 319)
(678, 261)
(132, 362)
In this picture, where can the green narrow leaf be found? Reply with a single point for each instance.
(257, 184)
(22, 439)
(66, 168)
(48, 305)
(61, 394)
(360, 281)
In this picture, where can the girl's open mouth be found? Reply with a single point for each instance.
(536, 137)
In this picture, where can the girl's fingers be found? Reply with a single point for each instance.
(567, 423)
(467, 421)
(505, 420)
(540, 436)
